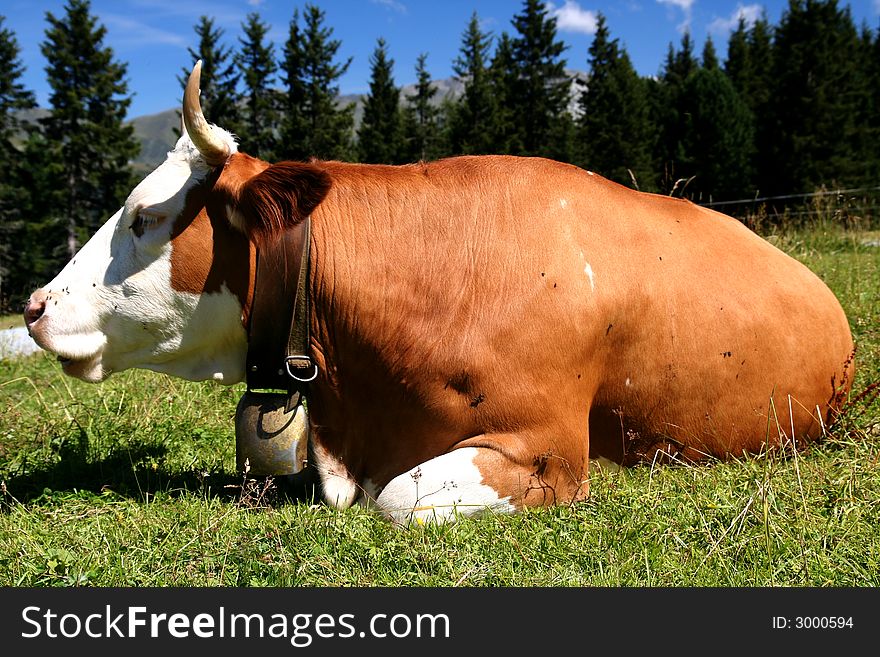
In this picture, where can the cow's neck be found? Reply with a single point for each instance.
(278, 332)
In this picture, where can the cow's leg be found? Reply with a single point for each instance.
(474, 480)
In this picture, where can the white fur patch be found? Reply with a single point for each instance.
(339, 488)
(588, 270)
(440, 489)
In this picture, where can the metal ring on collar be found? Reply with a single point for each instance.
(290, 373)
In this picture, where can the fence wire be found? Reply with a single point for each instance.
(857, 208)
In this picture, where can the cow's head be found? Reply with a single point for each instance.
(165, 283)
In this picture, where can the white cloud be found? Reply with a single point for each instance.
(877, 6)
(136, 33)
(191, 10)
(749, 13)
(394, 5)
(255, 3)
(571, 17)
(686, 6)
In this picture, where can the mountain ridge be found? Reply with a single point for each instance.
(156, 132)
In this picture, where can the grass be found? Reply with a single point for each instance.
(133, 483)
(11, 321)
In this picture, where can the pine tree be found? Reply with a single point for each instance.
(669, 114)
(706, 135)
(420, 129)
(870, 122)
(471, 123)
(819, 93)
(379, 133)
(866, 129)
(759, 95)
(294, 132)
(313, 125)
(256, 59)
(683, 62)
(749, 66)
(613, 129)
(506, 134)
(90, 144)
(13, 95)
(718, 137)
(219, 78)
(445, 114)
(14, 196)
(543, 89)
(44, 241)
(737, 65)
(710, 57)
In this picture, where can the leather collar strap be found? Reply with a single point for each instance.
(278, 329)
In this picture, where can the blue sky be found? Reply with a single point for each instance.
(152, 35)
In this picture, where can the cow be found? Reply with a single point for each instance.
(482, 327)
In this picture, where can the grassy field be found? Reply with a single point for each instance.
(132, 483)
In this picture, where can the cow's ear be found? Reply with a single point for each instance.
(280, 197)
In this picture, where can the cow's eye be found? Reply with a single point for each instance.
(144, 220)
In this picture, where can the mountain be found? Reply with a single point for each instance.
(32, 115)
(155, 132)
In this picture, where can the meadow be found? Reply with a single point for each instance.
(132, 482)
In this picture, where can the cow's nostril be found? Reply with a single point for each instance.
(34, 310)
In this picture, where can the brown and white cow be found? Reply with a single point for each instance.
(483, 326)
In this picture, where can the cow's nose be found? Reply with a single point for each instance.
(35, 307)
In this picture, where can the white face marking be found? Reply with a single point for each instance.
(113, 307)
(440, 489)
(563, 203)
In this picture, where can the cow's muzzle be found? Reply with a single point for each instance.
(35, 307)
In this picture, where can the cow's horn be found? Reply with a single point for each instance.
(214, 149)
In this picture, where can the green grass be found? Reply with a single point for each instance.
(132, 483)
(11, 321)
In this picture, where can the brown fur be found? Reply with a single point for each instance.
(452, 308)
(207, 252)
(279, 197)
